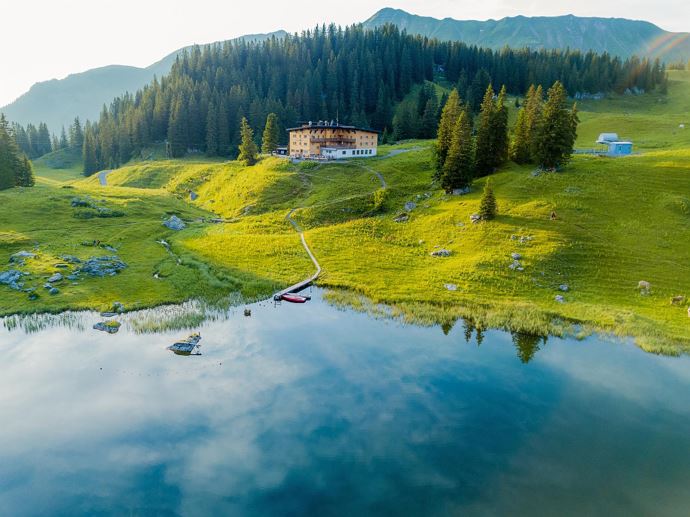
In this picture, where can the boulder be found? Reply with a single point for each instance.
(441, 253)
(20, 257)
(11, 278)
(461, 191)
(71, 259)
(410, 205)
(33, 297)
(174, 223)
(54, 291)
(678, 300)
(102, 266)
(475, 218)
(645, 286)
(402, 218)
(516, 256)
(559, 298)
(57, 277)
(118, 307)
(451, 287)
(516, 266)
(564, 287)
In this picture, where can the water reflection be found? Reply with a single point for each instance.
(312, 410)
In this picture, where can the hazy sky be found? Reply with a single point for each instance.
(46, 39)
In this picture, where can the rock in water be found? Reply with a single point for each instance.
(111, 327)
(174, 223)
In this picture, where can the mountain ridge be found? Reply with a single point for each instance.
(57, 101)
(618, 36)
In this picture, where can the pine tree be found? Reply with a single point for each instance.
(89, 153)
(63, 144)
(429, 124)
(458, 167)
(449, 118)
(212, 130)
(488, 207)
(25, 173)
(485, 151)
(248, 149)
(529, 117)
(558, 130)
(8, 156)
(499, 130)
(271, 136)
(76, 135)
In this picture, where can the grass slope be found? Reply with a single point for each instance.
(619, 221)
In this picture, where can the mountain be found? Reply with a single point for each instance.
(617, 36)
(58, 101)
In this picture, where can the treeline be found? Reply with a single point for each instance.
(352, 74)
(544, 134)
(36, 141)
(15, 167)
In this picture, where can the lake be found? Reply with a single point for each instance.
(310, 409)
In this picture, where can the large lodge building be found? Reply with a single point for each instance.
(332, 140)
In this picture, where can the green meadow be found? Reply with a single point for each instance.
(618, 222)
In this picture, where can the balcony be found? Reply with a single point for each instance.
(333, 141)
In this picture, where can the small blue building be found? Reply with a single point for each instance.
(616, 147)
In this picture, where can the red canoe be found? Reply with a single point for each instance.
(294, 298)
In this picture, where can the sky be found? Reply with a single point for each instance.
(47, 39)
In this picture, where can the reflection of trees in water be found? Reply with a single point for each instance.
(447, 326)
(527, 344)
(470, 327)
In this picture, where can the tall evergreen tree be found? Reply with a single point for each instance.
(458, 167)
(25, 173)
(485, 158)
(248, 149)
(449, 118)
(558, 130)
(488, 208)
(89, 151)
(76, 135)
(271, 136)
(499, 130)
(63, 143)
(212, 130)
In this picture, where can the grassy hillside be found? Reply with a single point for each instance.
(619, 221)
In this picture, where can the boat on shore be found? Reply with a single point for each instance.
(294, 298)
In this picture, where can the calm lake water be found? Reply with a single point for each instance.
(307, 409)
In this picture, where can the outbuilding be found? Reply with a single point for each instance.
(616, 146)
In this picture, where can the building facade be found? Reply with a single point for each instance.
(332, 141)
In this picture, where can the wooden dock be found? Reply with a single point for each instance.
(299, 286)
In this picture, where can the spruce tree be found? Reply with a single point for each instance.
(558, 130)
(63, 144)
(485, 152)
(76, 135)
(429, 123)
(25, 173)
(248, 148)
(212, 130)
(271, 136)
(488, 207)
(89, 152)
(499, 130)
(458, 167)
(449, 119)
(8, 156)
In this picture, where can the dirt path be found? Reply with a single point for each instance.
(304, 283)
(103, 177)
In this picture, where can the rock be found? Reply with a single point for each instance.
(33, 296)
(475, 218)
(73, 277)
(461, 191)
(441, 253)
(108, 314)
(646, 286)
(247, 312)
(451, 287)
(20, 257)
(516, 266)
(11, 278)
(47, 286)
(410, 205)
(516, 256)
(678, 300)
(564, 288)
(118, 307)
(70, 259)
(80, 203)
(193, 196)
(559, 298)
(402, 218)
(174, 223)
(111, 327)
(54, 291)
(57, 277)
(102, 266)
(61, 266)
